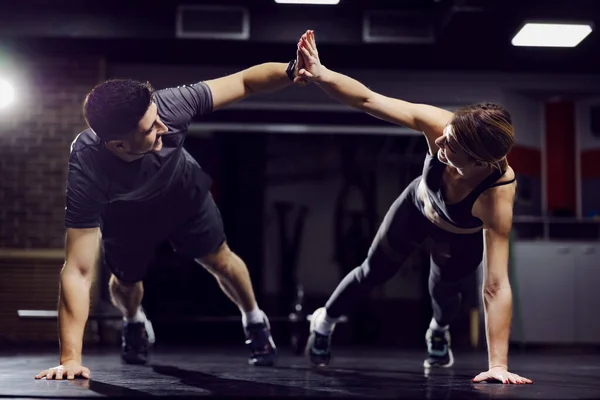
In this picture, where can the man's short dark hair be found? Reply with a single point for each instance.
(114, 108)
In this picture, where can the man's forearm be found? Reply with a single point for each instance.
(266, 77)
(498, 315)
(73, 312)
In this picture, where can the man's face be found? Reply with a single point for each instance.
(148, 136)
(146, 139)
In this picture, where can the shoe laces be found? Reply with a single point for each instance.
(135, 334)
(257, 337)
(321, 342)
(438, 340)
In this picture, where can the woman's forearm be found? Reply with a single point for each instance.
(498, 315)
(343, 88)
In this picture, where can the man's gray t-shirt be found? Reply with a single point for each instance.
(98, 180)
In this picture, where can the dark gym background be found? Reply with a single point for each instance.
(302, 182)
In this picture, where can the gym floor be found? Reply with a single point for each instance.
(354, 373)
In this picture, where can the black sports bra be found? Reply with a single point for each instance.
(458, 214)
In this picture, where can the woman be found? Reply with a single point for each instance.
(467, 187)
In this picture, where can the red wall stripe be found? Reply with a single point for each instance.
(526, 161)
(560, 156)
(590, 164)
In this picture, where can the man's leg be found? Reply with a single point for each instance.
(453, 261)
(234, 279)
(126, 294)
(202, 237)
(126, 297)
(403, 230)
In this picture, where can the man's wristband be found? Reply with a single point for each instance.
(290, 69)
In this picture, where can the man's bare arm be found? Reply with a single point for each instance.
(74, 295)
(260, 78)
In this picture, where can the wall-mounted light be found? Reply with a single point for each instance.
(7, 93)
(551, 35)
(319, 2)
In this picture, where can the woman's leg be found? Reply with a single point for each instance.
(402, 231)
(454, 259)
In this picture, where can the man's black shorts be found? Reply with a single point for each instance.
(131, 235)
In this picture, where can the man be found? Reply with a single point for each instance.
(131, 186)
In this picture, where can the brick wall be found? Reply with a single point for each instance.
(35, 136)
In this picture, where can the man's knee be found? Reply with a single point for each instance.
(220, 261)
(122, 286)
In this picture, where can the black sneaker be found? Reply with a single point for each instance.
(438, 349)
(318, 346)
(135, 343)
(263, 351)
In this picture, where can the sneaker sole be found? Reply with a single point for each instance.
(134, 361)
(263, 363)
(271, 360)
(310, 335)
(447, 365)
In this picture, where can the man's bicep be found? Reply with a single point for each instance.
(82, 210)
(84, 198)
(180, 105)
(227, 90)
(81, 247)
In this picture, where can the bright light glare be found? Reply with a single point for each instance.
(322, 2)
(551, 35)
(7, 93)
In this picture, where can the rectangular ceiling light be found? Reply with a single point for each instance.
(321, 2)
(551, 35)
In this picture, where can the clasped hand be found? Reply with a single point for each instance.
(308, 64)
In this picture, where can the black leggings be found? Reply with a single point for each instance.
(454, 258)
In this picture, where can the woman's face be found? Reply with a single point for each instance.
(450, 151)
